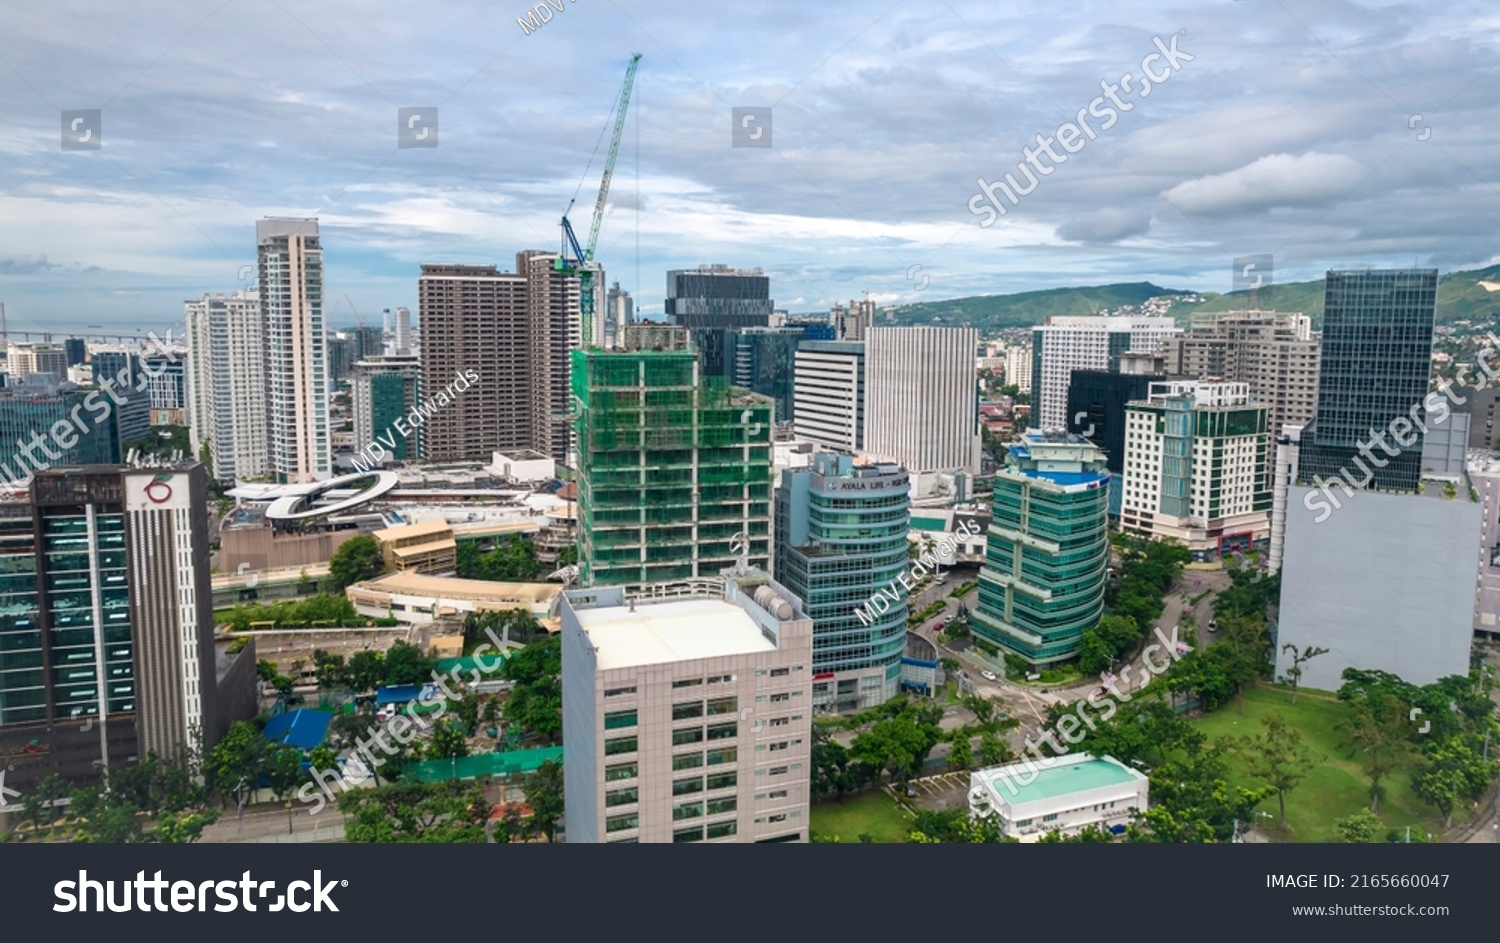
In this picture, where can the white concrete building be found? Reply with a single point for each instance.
(829, 393)
(921, 404)
(687, 712)
(1065, 344)
(1018, 367)
(1066, 794)
(23, 359)
(296, 354)
(1195, 466)
(226, 383)
(1484, 472)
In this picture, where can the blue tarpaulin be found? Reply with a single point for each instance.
(303, 729)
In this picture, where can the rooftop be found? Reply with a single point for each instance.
(417, 584)
(664, 632)
(1072, 774)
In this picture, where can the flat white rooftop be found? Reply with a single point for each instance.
(680, 630)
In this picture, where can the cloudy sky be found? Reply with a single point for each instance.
(1325, 133)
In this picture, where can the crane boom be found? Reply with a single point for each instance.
(614, 151)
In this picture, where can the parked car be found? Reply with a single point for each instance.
(988, 675)
(938, 627)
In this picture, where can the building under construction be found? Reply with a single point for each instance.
(674, 469)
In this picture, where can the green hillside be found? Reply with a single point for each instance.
(1460, 297)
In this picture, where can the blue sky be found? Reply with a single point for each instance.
(1292, 131)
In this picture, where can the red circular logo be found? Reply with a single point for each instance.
(158, 492)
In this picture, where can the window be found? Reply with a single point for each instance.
(723, 731)
(619, 745)
(687, 710)
(616, 720)
(687, 810)
(726, 804)
(721, 679)
(723, 829)
(689, 735)
(619, 823)
(686, 787)
(783, 696)
(620, 771)
(619, 692)
(723, 780)
(780, 721)
(688, 834)
(1049, 818)
(779, 794)
(621, 796)
(687, 761)
(778, 770)
(780, 672)
(778, 817)
(724, 755)
(687, 683)
(1023, 822)
(779, 746)
(723, 705)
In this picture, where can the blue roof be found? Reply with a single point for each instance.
(303, 729)
(399, 693)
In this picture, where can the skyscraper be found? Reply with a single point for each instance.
(22, 360)
(290, 256)
(674, 470)
(383, 391)
(1065, 344)
(1096, 410)
(922, 398)
(763, 360)
(44, 423)
(122, 370)
(402, 339)
(226, 388)
(829, 393)
(1374, 369)
(554, 332)
(713, 298)
(1047, 549)
(841, 534)
(1018, 368)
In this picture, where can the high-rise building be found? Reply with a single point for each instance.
(402, 339)
(829, 393)
(77, 349)
(554, 332)
(367, 342)
(1195, 466)
(120, 661)
(122, 369)
(1096, 410)
(922, 398)
(850, 323)
(1018, 368)
(841, 538)
(290, 256)
(44, 423)
(383, 391)
(22, 360)
(1275, 353)
(621, 309)
(674, 470)
(711, 299)
(226, 394)
(1047, 549)
(686, 713)
(340, 358)
(1065, 344)
(474, 317)
(166, 387)
(1374, 369)
(763, 360)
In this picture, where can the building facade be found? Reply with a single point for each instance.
(124, 372)
(1096, 411)
(841, 538)
(711, 299)
(554, 332)
(1018, 368)
(22, 360)
(763, 360)
(290, 256)
(1065, 344)
(1374, 369)
(674, 471)
(829, 393)
(922, 398)
(686, 712)
(1047, 549)
(34, 412)
(1068, 794)
(383, 391)
(226, 385)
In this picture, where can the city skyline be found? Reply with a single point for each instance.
(1326, 137)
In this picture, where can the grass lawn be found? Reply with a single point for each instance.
(1337, 786)
(874, 812)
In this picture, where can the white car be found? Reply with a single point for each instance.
(988, 676)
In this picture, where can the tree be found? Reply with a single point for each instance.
(961, 753)
(405, 664)
(1451, 771)
(1376, 727)
(366, 670)
(356, 559)
(466, 709)
(1089, 834)
(1094, 654)
(535, 704)
(41, 804)
(1278, 757)
(332, 671)
(182, 828)
(1294, 673)
(1361, 828)
(993, 751)
(102, 822)
(235, 763)
(284, 774)
(834, 773)
(901, 743)
(956, 826)
(450, 812)
(544, 796)
(448, 740)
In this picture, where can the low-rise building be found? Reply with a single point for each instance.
(428, 547)
(415, 598)
(1068, 795)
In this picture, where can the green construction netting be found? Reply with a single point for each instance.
(483, 764)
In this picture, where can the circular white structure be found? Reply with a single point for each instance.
(291, 507)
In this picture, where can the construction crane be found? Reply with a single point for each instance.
(576, 258)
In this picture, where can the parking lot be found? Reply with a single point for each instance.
(941, 792)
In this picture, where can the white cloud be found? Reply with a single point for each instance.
(1274, 180)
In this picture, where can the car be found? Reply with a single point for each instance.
(938, 627)
(988, 675)
(1213, 624)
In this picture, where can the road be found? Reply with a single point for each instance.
(268, 823)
